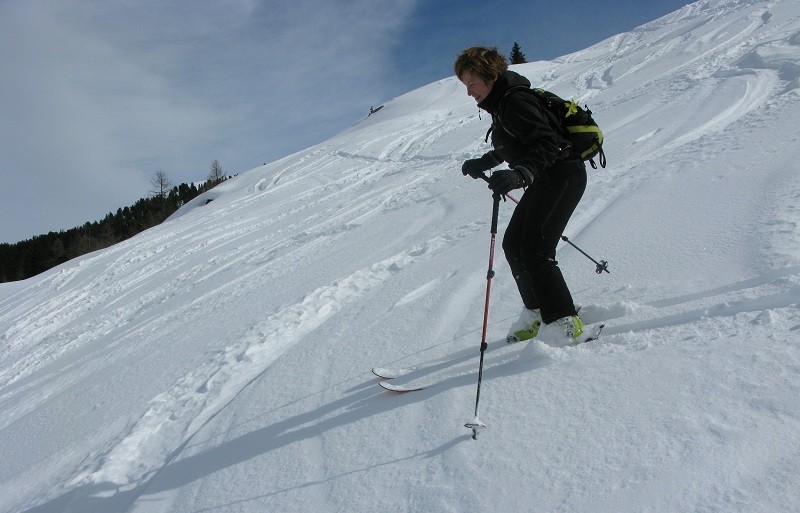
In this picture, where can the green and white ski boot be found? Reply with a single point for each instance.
(526, 327)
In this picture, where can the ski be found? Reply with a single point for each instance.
(593, 333)
(401, 388)
(385, 373)
(432, 365)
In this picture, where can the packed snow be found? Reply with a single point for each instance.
(222, 361)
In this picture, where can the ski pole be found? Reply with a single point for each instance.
(602, 265)
(476, 424)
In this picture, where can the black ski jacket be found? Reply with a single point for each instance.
(536, 143)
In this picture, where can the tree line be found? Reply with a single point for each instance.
(42, 252)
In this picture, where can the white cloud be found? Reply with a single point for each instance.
(97, 95)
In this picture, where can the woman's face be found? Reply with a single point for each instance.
(476, 86)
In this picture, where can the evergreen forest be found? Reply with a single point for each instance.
(33, 256)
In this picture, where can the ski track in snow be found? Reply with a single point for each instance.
(180, 412)
(423, 290)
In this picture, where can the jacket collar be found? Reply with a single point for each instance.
(506, 81)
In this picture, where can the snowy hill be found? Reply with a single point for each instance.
(221, 361)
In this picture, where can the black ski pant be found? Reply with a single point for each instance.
(533, 232)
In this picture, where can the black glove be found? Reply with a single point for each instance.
(476, 167)
(506, 180)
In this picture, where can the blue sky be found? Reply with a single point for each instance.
(97, 96)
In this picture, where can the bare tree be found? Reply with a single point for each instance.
(216, 174)
(161, 187)
(160, 184)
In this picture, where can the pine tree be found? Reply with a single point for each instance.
(517, 57)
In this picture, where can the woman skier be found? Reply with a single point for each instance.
(539, 160)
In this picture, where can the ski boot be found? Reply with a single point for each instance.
(526, 327)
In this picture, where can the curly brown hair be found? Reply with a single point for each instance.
(485, 63)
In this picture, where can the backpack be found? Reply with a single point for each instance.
(577, 125)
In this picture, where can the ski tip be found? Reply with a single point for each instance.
(399, 388)
(384, 373)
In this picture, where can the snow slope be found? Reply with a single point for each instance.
(221, 361)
